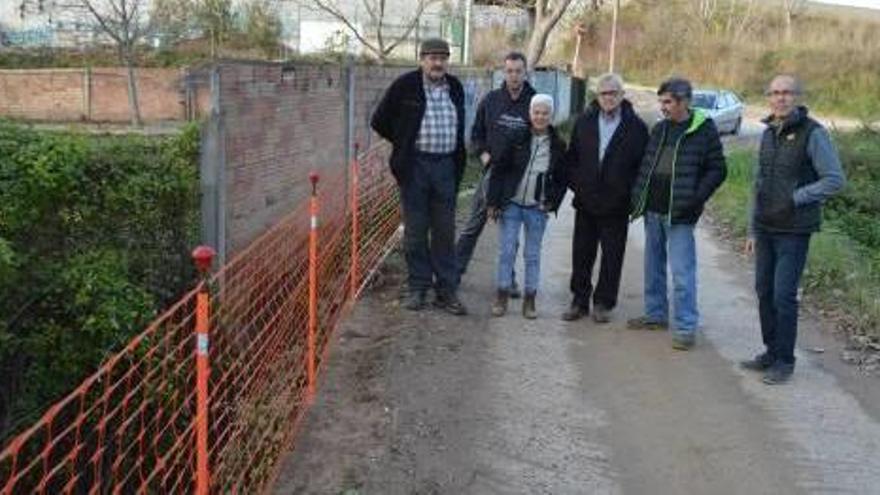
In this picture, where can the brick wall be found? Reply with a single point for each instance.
(279, 123)
(98, 95)
(53, 95)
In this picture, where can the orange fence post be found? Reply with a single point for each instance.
(313, 287)
(355, 224)
(203, 257)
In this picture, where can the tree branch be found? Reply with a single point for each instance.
(423, 4)
(341, 17)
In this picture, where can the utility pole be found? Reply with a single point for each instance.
(613, 36)
(466, 44)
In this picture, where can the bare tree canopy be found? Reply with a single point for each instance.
(544, 16)
(122, 21)
(374, 36)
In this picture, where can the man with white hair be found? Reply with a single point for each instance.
(605, 150)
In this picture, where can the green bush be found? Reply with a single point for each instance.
(94, 240)
(843, 269)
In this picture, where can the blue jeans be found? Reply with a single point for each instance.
(779, 263)
(513, 218)
(678, 241)
(429, 214)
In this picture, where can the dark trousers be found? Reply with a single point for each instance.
(429, 223)
(779, 263)
(470, 233)
(467, 239)
(591, 232)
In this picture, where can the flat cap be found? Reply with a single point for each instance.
(434, 46)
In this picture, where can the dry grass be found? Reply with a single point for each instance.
(836, 52)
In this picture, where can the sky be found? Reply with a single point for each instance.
(871, 4)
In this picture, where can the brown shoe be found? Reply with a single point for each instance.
(499, 306)
(528, 307)
(575, 312)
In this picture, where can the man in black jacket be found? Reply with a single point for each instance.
(683, 166)
(422, 114)
(606, 148)
(502, 112)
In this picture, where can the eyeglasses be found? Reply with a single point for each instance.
(609, 93)
(784, 92)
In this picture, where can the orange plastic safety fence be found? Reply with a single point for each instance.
(130, 427)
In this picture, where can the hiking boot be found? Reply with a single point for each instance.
(528, 306)
(575, 312)
(683, 342)
(778, 373)
(450, 303)
(646, 323)
(415, 301)
(761, 362)
(601, 314)
(499, 306)
(514, 292)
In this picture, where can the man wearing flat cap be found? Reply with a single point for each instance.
(422, 115)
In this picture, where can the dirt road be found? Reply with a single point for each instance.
(429, 403)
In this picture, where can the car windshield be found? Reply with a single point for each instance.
(704, 100)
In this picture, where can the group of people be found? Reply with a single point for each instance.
(619, 171)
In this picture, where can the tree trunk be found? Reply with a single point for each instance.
(543, 25)
(535, 50)
(133, 104)
(788, 16)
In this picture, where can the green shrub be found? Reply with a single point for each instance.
(843, 269)
(94, 240)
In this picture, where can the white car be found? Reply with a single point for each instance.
(724, 107)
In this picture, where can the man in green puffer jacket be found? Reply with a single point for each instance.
(683, 166)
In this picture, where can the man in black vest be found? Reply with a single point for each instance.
(422, 114)
(501, 112)
(798, 168)
(605, 151)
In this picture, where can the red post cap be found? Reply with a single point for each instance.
(313, 178)
(203, 256)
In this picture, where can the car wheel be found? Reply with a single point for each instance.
(736, 128)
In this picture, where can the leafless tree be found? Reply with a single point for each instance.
(374, 35)
(120, 21)
(544, 16)
(792, 9)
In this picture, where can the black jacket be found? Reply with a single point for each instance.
(498, 114)
(398, 119)
(509, 163)
(605, 190)
(698, 169)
